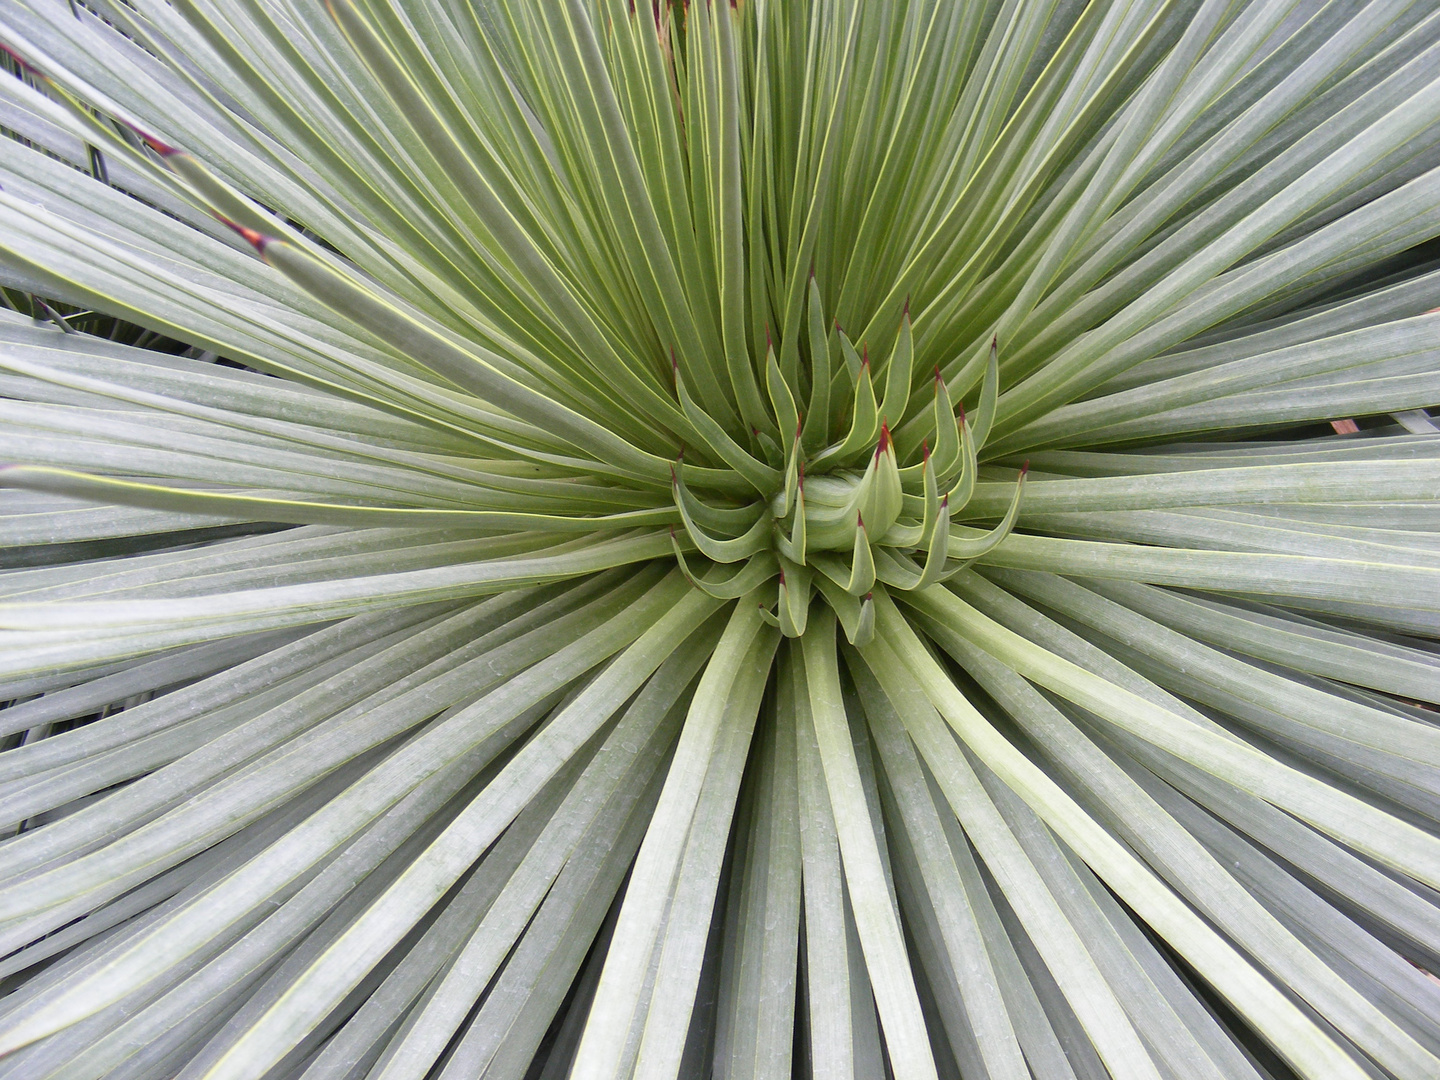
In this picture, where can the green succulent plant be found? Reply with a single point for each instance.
(519, 561)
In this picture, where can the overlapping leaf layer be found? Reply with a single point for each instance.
(518, 557)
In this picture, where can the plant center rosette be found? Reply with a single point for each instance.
(837, 510)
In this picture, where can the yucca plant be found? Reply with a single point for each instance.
(519, 560)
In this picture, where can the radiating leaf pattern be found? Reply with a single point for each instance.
(829, 538)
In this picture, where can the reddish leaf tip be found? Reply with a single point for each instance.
(258, 241)
(164, 149)
(25, 64)
(160, 146)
